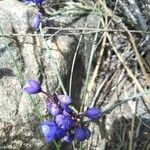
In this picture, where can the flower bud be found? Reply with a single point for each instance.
(67, 110)
(64, 99)
(87, 132)
(65, 122)
(32, 87)
(38, 2)
(36, 22)
(82, 133)
(53, 108)
(60, 133)
(93, 113)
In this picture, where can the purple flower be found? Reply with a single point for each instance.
(82, 133)
(29, 1)
(69, 138)
(65, 122)
(67, 110)
(87, 132)
(52, 131)
(32, 87)
(53, 108)
(36, 22)
(49, 129)
(93, 113)
(37, 2)
(64, 99)
(60, 133)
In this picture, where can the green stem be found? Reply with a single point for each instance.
(56, 145)
(56, 67)
(81, 148)
(89, 65)
(73, 64)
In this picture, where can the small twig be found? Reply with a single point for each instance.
(95, 72)
(56, 67)
(124, 63)
(138, 56)
(131, 143)
(73, 64)
(120, 102)
(143, 123)
(137, 133)
(90, 65)
(90, 31)
(98, 91)
(111, 108)
(74, 59)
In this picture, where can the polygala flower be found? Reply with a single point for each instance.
(49, 129)
(36, 22)
(64, 99)
(52, 131)
(93, 113)
(82, 133)
(60, 133)
(32, 87)
(67, 110)
(53, 108)
(37, 2)
(64, 122)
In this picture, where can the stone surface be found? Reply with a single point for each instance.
(18, 122)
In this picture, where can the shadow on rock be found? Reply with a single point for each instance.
(6, 72)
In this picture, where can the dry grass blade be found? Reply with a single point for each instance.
(89, 66)
(134, 108)
(74, 31)
(95, 72)
(138, 56)
(131, 75)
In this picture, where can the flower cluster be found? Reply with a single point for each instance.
(66, 124)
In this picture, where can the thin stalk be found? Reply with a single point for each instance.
(88, 31)
(74, 58)
(98, 92)
(37, 110)
(56, 145)
(81, 148)
(73, 63)
(50, 56)
(56, 70)
(131, 143)
(111, 108)
(120, 102)
(90, 63)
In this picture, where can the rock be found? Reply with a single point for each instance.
(19, 123)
